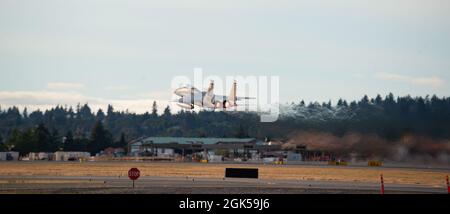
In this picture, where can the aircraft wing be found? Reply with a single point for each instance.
(223, 98)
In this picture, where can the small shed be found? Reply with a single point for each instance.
(40, 156)
(71, 156)
(9, 156)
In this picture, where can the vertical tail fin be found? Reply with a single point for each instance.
(233, 98)
(211, 87)
(209, 96)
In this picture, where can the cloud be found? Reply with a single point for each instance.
(41, 97)
(432, 81)
(159, 95)
(45, 99)
(117, 88)
(64, 86)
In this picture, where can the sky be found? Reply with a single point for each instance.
(127, 52)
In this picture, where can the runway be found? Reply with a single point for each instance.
(189, 185)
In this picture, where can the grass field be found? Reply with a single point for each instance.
(429, 177)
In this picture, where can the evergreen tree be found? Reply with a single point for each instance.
(241, 132)
(378, 100)
(154, 110)
(100, 115)
(15, 140)
(70, 113)
(69, 144)
(353, 105)
(110, 110)
(122, 142)
(43, 139)
(2, 144)
(364, 101)
(25, 113)
(36, 117)
(100, 138)
(345, 104)
(23, 142)
(110, 113)
(78, 111)
(55, 142)
(85, 112)
(340, 103)
(167, 112)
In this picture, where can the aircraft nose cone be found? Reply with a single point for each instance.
(178, 91)
(182, 91)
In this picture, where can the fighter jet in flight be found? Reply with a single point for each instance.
(191, 97)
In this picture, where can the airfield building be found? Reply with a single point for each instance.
(40, 156)
(71, 156)
(213, 149)
(9, 156)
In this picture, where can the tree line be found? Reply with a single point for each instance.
(81, 129)
(40, 139)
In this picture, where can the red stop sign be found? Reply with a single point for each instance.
(134, 173)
